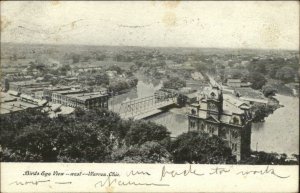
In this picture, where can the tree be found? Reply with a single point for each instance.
(102, 79)
(174, 83)
(100, 57)
(237, 74)
(257, 66)
(85, 136)
(286, 74)
(257, 79)
(116, 68)
(141, 131)
(197, 147)
(269, 90)
(149, 152)
(89, 136)
(64, 69)
(261, 111)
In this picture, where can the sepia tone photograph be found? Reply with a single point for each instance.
(161, 82)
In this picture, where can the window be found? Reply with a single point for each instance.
(235, 120)
(193, 111)
(222, 133)
(212, 94)
(234, 134)
(202, 127)
(193, 124)
(234, 147)
(211, 129)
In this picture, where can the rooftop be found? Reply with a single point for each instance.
(249, 92)
(67, 92)
(254, 100)
(29, 83)
(231, 80)
(14, 106)
(6, 97)
(57, 88)
(233, 100)
(86, 96)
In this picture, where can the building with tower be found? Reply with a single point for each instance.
(224, 116)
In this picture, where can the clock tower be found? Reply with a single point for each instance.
(215, 102)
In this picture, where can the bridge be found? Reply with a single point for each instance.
(145, 107)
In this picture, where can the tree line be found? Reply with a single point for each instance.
(102, 136)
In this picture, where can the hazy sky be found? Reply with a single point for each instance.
(233, 24)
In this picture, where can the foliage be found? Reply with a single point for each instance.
(102, 136)
(149, 152)
(174, 83)
(120, 85)
(276, 67)
(200, 66)
(64, 69)
(140, 132)
(101, 79)
(100, 57)
(257, 79)
(85, 136)
(197, 147)
(264, 158)
(116, 68)
(286, 74)
(269, 90)
(261, 111)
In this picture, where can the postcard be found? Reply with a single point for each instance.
(149, 96)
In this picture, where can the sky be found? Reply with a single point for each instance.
(226, 24)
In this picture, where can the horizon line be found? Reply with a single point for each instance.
(191, 47)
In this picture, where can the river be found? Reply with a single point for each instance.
(279, 133)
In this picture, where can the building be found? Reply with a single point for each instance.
(237, 83)
(251, 96)
(32, 88)
(47, 92)
(228, 118)
(79, 98)
(255, 101)
(234, 82)
(11, 103)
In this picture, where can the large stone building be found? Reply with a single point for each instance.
(224, 116)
